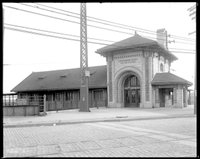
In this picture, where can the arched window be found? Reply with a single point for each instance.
(161, 67)
(132, 81)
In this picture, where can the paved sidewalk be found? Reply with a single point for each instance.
(97, 115)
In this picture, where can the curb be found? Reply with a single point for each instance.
(54, 123)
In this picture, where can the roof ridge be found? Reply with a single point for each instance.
(67, 69)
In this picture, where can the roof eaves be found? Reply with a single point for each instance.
(13, 90)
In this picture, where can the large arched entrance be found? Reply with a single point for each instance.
(131, 91)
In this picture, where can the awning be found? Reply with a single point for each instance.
(168, 78)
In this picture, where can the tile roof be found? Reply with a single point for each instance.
(135, 41)
(167, 78)
(62, 80)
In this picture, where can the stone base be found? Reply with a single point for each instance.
(177, 106)
(112, 105)
(147, 105)
(42, 113)
(157, 105)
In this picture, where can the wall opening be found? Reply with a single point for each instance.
(131, 91)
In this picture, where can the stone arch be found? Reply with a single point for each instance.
(120, 77)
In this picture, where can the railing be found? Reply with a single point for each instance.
(24, 105)
(14, 100)
(9, 99)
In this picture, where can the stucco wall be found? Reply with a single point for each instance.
(157, 60)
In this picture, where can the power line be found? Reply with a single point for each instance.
(183, 52)
(115, 24)
(59, 37)
(181, 38)
(192, 8)
(70, 34)
(135, 28)
(72, 15)
(182, 49)
(77, 22)
(41, 14)
(129, 27)
(55, 32)
(93, 20)
(31, 32)
(67, 20)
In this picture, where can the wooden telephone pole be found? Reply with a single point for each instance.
(84, 105)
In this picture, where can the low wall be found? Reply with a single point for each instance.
(21, 110)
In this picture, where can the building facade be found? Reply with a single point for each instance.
(137, 74)
(62, 88)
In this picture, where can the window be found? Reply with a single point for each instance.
(58, 96)
(69, 96)
(161, 67)
(131, 81)
(22, 95)
(49, 97)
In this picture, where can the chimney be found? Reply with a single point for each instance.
(162, 37)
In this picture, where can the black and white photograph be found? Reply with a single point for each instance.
(99, 79)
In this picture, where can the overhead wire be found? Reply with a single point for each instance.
(72, 16)
(132, 28)
(129, 27)
(56, 32)
(25, 31)
(69, 34)
(77, 22)
(152, 32)
(66, 20)
(112, 23)
(32, 32)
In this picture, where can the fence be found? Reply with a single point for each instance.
(14, 105)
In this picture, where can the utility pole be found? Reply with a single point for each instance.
(84, 104)
(195, 94)
(195, 78)
(192, 11)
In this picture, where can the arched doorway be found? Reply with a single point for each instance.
(131, 91)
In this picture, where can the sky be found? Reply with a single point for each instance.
(24, 53)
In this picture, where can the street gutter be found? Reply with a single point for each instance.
(117, 119)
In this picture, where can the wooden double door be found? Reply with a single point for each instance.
(132, 91)
(132, 97)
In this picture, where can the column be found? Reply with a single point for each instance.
(157, 101)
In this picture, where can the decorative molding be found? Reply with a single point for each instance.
(128, 56)
(110, 80)
(155, 54)
(119, 82)
(147, 78)
(126, 61)
(129, 68)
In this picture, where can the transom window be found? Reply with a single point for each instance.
(131, 81)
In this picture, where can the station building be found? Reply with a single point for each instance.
(137, 74)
